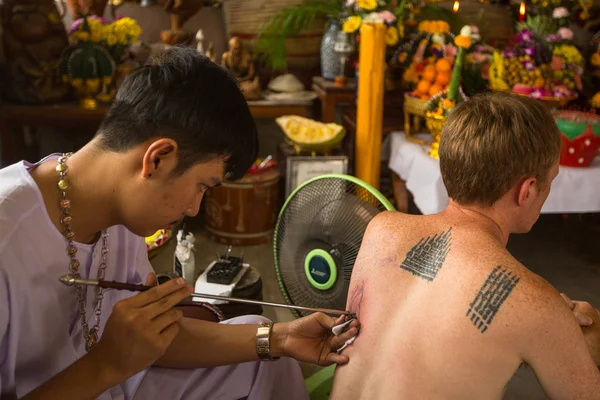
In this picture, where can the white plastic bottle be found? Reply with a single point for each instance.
(184, 264)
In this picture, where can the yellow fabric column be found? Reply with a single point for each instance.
(369, 119)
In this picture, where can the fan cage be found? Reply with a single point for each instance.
(329, 212)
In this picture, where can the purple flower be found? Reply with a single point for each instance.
(509, 53)
(480, 48)
(77, 23)
(525, 35)
(536, 94)
(437, 52)
(529, 51)
(553, 38)
(529, 66)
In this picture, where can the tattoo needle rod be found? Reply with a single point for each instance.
(71, 280)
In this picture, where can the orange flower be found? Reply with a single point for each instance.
(463, 41)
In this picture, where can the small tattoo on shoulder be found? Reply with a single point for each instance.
(356, 298)
(494, 292)
(426, 258)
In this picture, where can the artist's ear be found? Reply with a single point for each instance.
(160, 158)
(526, 190)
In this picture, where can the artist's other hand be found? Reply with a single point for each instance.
(141, 328)
(310, 339)
(576, 306)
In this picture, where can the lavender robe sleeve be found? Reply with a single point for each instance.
(143, 266)
(4, 316)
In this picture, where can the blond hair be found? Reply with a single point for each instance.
(491, 141)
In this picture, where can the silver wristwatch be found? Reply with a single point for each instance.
(263, 339)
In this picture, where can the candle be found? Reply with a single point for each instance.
(456, 6)
(522, 11)
(369, 118)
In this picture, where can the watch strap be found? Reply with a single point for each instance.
(263, 342)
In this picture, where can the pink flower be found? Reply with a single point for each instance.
(474, 29)
(450, 50)
(560, 12)
(478, 57)
(566, 33)
(387, 17)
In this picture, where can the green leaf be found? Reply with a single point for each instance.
(271, 40)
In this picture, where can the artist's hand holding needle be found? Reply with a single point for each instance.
(309, 343)
(141, 328)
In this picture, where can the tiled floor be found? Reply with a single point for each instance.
(566, 253)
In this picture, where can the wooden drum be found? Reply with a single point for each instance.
(243, 213)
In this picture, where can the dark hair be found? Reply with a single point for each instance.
(491, 141)
(183, 96)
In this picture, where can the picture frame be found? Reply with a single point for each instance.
(300, 169)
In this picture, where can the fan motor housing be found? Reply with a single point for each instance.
(321, 269)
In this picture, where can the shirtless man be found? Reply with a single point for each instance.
(446, 311)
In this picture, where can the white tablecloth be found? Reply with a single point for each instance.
(575, 190)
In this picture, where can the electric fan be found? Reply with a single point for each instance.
(317, 237)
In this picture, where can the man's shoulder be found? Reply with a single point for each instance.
(18, 199)
(530, 299)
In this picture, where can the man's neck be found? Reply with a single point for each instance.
(92, 183)
(487, 218)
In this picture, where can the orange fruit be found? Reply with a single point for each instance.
(539, 83)
(443, 65)
(442, 78)
(423, 87)
(435, 89)
(429, 73)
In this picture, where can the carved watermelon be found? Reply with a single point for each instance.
(580, 137)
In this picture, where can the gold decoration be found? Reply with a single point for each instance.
(434, 123)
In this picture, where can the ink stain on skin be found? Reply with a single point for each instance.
(356, 299)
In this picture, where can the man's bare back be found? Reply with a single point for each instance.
(447, 313)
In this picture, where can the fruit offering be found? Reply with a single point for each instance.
(432, 42)
(538, 68)
(434, 78)
(438, 107)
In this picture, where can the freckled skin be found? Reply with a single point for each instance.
(461, 335)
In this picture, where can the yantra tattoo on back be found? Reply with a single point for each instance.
(427, 257)
(492, 294)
